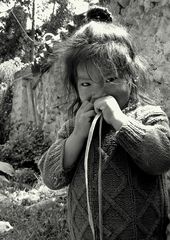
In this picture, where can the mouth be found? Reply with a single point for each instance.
(91, 100)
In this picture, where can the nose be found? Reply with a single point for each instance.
(98, 93)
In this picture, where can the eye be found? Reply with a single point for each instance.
(85, 84)
(111, 79)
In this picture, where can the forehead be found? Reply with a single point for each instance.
(87, 70)
(92, 71)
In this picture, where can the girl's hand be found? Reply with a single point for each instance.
(83, 120)
(111, 111)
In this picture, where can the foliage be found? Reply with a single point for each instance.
(9, 68)
(38, 214)
(16, 38)
(26, 147)
(5, 110)
(6, 1)
(104, 2)
(42, 61)
(13, 40)
(24, 178)
(59, 18)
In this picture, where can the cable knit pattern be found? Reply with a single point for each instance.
(58, 177)
(134, 162)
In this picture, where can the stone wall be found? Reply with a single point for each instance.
(23, 108)
(41, 99)
(149, 22)
(50, 102)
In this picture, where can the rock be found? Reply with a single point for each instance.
(124, 3)
(44, 204)
(5, 227)
(167, 50)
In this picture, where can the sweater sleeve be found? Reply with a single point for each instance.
(147, 140)
(51, 163)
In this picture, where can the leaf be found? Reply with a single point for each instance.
(6, 168)
(3, 179)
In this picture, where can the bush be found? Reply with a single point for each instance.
(24, 178)
(5, 110)
(25, 149)
(48, 223)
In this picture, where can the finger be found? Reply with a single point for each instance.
(98, 106)
(86, 106)
(82, 106)
(89, 107)
(90, 113)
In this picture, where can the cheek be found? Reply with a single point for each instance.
(88, 93)
(84, 94)
(122, 97)
(121, 94)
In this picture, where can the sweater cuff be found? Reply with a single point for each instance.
(65, 170)
(62, 157)
(131, 133)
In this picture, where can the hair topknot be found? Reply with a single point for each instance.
(99, 14)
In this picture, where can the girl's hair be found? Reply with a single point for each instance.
(106, 44)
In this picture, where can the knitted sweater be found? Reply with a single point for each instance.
(134, 162)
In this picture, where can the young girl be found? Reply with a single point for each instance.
(103, 68)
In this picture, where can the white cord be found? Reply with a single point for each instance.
(89, 139)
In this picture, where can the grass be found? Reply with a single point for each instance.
(35, 213)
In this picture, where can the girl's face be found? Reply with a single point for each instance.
(93, 85)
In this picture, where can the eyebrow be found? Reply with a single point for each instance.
(83, 78)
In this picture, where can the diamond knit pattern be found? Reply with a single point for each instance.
(134, 192)
(132, 199)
